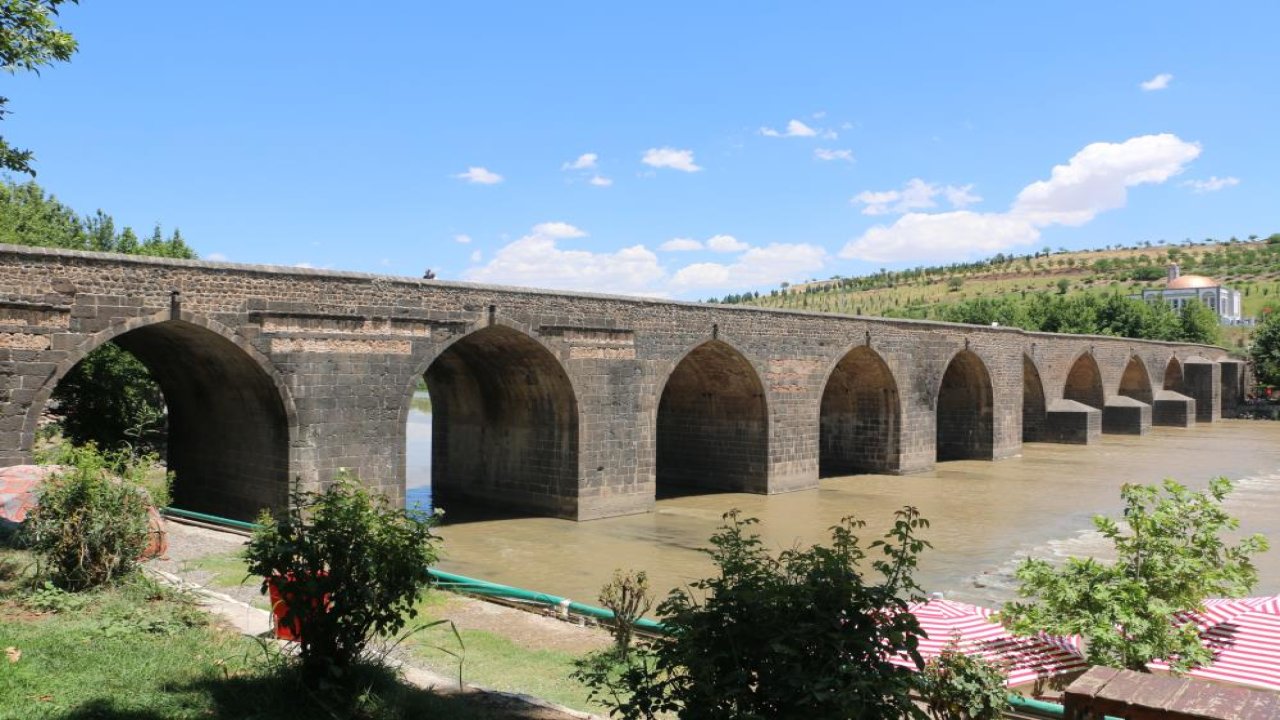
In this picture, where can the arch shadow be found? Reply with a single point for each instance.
(860, 417)
(1034, 407)
(1084, 382)
(1136, 381)
(1173, 375)
(712, 424)
(965, 425)
(230, 419)
(504, 428)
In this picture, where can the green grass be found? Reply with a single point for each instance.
(138, 651)
(498, 663)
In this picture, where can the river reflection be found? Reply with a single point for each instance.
(985, 516)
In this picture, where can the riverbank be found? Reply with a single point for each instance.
(503, 649)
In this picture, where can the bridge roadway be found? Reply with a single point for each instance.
(550, 403)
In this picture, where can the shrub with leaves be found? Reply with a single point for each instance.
(350, 566)
(1170, 556)
(90, 522)
(955, 686)
(799, 634)
(627, 597)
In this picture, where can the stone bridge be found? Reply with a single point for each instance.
(568, 405)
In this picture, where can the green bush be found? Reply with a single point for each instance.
(90, 522)
(955, 686)
(801, 634)
(627, 596)
(350, 565)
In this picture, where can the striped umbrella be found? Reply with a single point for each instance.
(1023, 659)
(1245, 644)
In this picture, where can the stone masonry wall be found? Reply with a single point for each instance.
(340, 354)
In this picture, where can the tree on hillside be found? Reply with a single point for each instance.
(29, 40)
(1265, 350)
(1170, 557)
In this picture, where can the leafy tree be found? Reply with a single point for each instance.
(799, 635)
(350, 566)
(29, 39)
(1200, 324)
(1265, 350)
(109, 399)
(1170, 556)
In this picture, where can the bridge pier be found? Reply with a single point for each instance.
(1126, 416)
(1072, 422)
(1202, 380)
(1233, 387)
(1173, 409)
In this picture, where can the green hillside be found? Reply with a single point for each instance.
(1252, 266)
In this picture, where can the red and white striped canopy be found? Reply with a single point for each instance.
(1244, 635)
(1024, 659)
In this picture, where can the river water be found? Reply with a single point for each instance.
(985, 516)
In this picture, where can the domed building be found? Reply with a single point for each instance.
(1181, 289)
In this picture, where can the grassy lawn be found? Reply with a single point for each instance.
(496, 662)
(139, 651)
(491, 660)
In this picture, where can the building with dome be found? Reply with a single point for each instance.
(1182, 289)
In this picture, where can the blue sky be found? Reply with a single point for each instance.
(677, 149)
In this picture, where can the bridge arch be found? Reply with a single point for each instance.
(1084, 382)
(1173, 375)
(1135, 382)
(231, 419)
(860, 416)
(504, 423)
(1034, 407)
(965, 408)
(712, 424)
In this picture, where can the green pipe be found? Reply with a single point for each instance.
(1024, 703)
(483, 587)
(193, 515)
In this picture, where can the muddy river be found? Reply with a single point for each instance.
(985, 516)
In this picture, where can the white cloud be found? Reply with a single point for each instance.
(537, 260)
(480, 176)
(600, 181)
(820, 114)
(680, 245)
(305, 266)
(939, 236)
(961, 196)
(1095, 180)
(669, 157)
(794, 128)
(726, 243)
(476, 256)
(915, 195)
(768, 265)
(1098, 177)
(585, 161)
(462, 239)
(1212, 184)
(558, 230)
(825, 154)
(1159, 82)
(215, 257)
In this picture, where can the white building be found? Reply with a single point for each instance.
(1182, 289)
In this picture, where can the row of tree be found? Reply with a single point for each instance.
(1086, 314)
